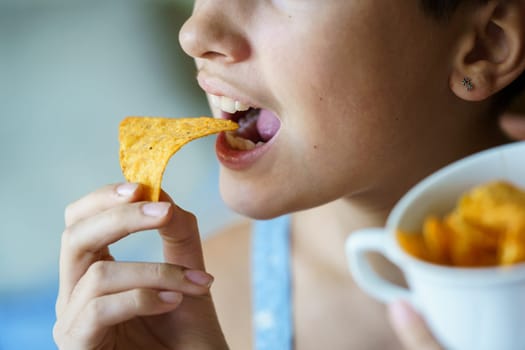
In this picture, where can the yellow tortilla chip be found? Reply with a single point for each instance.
(497, 206)
(486, 228)
(147, 144)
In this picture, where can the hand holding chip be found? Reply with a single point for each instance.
(106, 304)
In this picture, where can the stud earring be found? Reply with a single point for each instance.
(467, 83)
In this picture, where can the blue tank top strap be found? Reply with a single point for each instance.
(271, 285)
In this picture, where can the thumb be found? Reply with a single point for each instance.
(513, 125)
(181, 240)
(411, 328)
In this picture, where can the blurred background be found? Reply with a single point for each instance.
(70, 70)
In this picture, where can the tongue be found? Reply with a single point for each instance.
(267, 125)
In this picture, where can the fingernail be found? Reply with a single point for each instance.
(199, 277)
(156, 209)
(402, 313)
(127, 189)
(170, 297)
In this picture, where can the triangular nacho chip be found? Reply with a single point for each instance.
(147, 144)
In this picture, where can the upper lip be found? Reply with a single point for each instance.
(219, 87)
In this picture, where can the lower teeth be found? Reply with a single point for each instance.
(239, 143)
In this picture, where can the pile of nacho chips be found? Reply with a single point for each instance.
(486, 228)
(147, 143)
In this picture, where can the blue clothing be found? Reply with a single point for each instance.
(271, 285)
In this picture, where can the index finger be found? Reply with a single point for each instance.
(87, 241)
(101, 200)
(513, 125)
(411, 328)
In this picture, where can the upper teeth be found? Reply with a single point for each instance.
(227, 104)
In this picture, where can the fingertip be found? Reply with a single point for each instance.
(127, 189)
(170, 297)
(156, 209)
(200, 278)
(513, 125)
(410, 327)
(402, 314)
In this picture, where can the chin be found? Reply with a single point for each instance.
(253, 202)
(254, 209)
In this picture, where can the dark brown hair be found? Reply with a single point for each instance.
(443, 9)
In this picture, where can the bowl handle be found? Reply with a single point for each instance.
(358, 244)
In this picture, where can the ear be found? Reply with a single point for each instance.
(491, 53)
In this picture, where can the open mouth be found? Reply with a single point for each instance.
(257, 126)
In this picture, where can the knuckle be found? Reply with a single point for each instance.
(140, 299)
(72, 213)
(59, 307)
(66, 235)
(161, 271)
(94, 310)
(63, 334)
(185, 218)
(99, 270)
(58, 332)
(191, 219)
(114, 215)
(119, 211)
(119, 217)
(69, 214)
(68, 240)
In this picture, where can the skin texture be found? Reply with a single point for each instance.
(104, 304)
(370, 100)
(351, 97)
(353, 138)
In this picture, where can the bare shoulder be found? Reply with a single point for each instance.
(227, 255)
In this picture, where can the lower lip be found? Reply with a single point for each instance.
(235, 159)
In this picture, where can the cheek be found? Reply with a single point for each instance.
(333, 123)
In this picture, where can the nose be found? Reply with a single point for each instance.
(212, 33)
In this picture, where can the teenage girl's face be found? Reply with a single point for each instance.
(341, 93)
